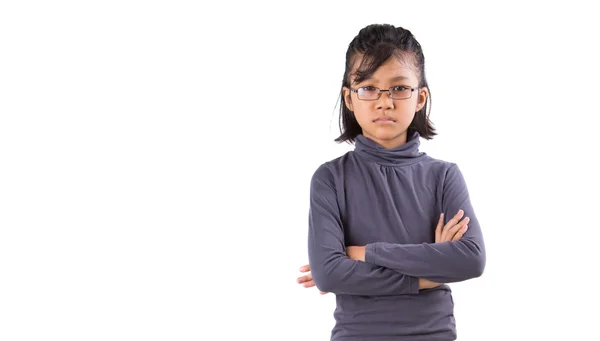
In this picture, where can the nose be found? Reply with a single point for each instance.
(385, 101)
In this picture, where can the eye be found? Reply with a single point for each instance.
(400, 88)
(369, 88)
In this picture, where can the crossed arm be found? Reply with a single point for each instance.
(390, 269)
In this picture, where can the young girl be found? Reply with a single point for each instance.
(389, 225)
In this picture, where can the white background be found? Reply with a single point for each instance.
(155, 158)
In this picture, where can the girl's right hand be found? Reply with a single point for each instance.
(307, 279)
(453, 230)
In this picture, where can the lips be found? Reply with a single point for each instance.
(384, 119)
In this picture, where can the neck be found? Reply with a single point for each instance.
(393, 152)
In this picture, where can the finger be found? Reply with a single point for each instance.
(460, 233)
(309, 284)
(455, 219)
(456, 228)
(322, 292)
(438, 229)
(305, 278)
(305, 268)
(451, 223)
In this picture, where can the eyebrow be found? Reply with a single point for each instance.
(397, 78)
(394, 79)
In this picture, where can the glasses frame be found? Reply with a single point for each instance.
(389, 91)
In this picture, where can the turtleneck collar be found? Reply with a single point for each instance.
(405, 154)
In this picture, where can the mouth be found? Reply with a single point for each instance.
(384, 119)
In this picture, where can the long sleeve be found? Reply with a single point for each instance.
(446, 262)
(332, 270)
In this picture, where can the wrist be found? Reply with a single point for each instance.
(370, 253)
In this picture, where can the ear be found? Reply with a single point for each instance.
(423, 93)
(347, 98)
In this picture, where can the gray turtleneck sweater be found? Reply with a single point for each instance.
(390, 200)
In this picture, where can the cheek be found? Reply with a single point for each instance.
(362, 112)
(409, 103)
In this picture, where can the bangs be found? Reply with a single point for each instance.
(372, 59)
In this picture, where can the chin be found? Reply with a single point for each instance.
(385, 134)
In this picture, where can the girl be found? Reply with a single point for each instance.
(389, 225)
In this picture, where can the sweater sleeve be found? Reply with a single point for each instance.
(446, 262)
(332, 270)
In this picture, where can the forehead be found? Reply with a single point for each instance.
(392, 69)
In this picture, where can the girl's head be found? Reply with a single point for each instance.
(387, 58)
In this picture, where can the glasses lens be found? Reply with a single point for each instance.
(368, 93)
(401, 92)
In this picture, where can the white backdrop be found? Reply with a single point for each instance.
(155, 158)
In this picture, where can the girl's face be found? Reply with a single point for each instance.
(386, 120)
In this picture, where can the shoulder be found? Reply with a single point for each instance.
(330, 170)
(437, 165)
(334, 165)
(446, 173)
(449, 172)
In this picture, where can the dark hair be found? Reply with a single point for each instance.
(377, 43)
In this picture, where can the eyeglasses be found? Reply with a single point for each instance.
(371, 93)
